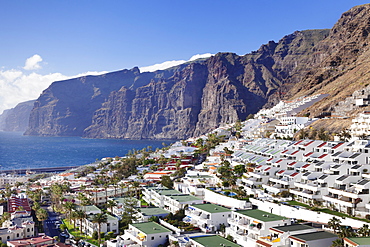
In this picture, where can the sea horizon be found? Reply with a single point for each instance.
(18, 151)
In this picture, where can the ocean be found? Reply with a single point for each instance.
(24, 152)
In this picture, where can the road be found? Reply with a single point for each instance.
(50, 225)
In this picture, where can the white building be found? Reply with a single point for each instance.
(208, 217)
(146, 234)
(246, 226)
(360, 125)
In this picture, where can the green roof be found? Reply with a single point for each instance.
(165, 191)
(361, 240)
(88, 208)
(292, 228)
(153, 211)
(150, 228)
(314, 236)
(123, 200)
(212, 241)
(211, 208)
(110, 217)
(184, 198)
(261, 215)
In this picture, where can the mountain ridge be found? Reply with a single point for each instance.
(193, 98)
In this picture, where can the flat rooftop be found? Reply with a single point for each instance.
(151, 228)
(184, 198)
(153, 211)
(292, 228)
(212, 241)
(305, 237)
(360, 240)
(261, 215)
(211, 208)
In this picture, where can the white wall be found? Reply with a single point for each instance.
(304, 214)
(216, 198)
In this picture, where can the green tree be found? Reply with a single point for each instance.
(99, 219)
(364, 231)
(346, 232)
(110, 204)
(334, 223)
(80, 215)
(337, 243)
(68, 207)
(41, 215)
(239, 170)
(166, 181)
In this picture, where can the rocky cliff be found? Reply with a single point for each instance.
(344, 63)
(196, 97)
(180, 102)
(17, 118)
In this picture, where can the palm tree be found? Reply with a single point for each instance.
(41, 214)
(80, 215)
(73, 217)
(69, 206)
(364, 231)
(99, 219)
(136, 186)
(111, 204)
(346, 232)
(334, 223)
(337, 243)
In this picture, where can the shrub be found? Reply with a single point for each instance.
(95, 235)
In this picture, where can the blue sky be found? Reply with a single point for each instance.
(71, 37)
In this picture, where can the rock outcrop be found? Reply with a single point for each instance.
(17, 118)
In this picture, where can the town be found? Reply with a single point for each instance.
(250, 183)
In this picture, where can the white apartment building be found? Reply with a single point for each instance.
(88, 227)
(246, 226)
(360, 125)
(208, 217)
(171, 200)
(146, 234)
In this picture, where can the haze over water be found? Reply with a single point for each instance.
(24, 152)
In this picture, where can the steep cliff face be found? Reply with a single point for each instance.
(180, 102)
(200, 97)
(17, 118)
(344, 62)
(66, 107)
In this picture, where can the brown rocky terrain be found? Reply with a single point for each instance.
(344, 63)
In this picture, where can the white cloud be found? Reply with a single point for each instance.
(169, 64)
(33, 63)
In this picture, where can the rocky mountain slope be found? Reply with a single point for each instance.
(16, 119)
(187, 100)
(344, 66)
(194, 98)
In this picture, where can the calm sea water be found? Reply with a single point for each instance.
(19, 152)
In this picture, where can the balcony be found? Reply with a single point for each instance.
(237, 222)
(305, 193)
(276, 188)
(352, 193)
(282, 181)
(343, 201)
(308, 186)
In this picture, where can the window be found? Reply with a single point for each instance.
(28, 230)
(152, 238)
(8, 237)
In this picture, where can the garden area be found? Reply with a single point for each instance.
(324, 210)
